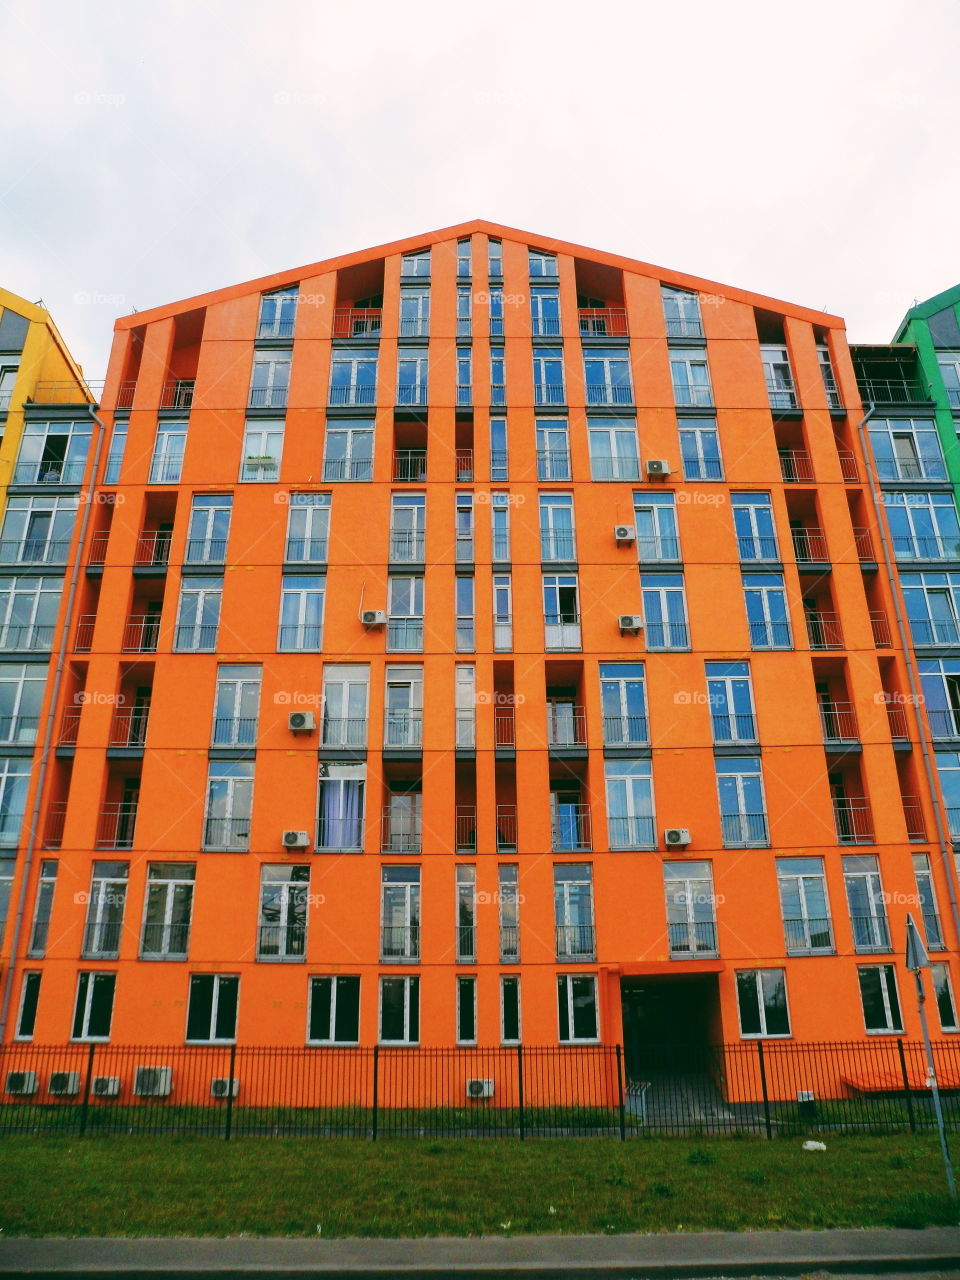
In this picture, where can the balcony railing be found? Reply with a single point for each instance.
(69, 727)
(626, 731)
(97, 554)
(848, 464)
(344, 731)
(870, 933)
(809, 545)
(102, 939)
(757, 547)
(557, 545)
(177, 394)
(913, 816)
(796, 466)
(464, 459)
(116, 825)
(400, 942)
(66, 393)
(403, 729)
(466, 944)
(609, 393)
(347, 468)
(83, 638)
(153, 550)
(405, 635)
(410, 464)
(196, 637)
(400, 830)
(53, 826)
(504, 728)
(545, 326)
(293, 637)
(357, 322)
(892, 391)
(733, 726)
(854, 821)
(34, 550)
(306, 550)
(509, 944)
(667, 635)
(897, 721)
(744, 830)
(506, 828)
(688, 396)
(141, 634)
(692, 938)
(465, 548)
(548, 393)
(281, 942)
(684, 327)
(570, 828)
(781, 397)
(808, 934)
(206, 551)
(466, 828)
(19, 730)
(25, 636)
(268, 397)
(353, 393)
(663, 547)
(935, 631)
(49, 471)
(553, 464)
(625, 468)
(407, 545)
(129, 726)
(838, 721)
(226, 833)
(880, 626)
(234, 731)
(339, 834)
(920, 547)
(631, 833)
(863, 541)
(414, 327)
(603, 322)
(576, 942)
(411, 393)
(165, 941)
(466, 730)
(824, 631)
(566, 725)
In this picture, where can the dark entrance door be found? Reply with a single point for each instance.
(667, 1023)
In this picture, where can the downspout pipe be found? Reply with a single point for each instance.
(46, 742)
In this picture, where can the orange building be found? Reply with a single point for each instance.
(479, 639)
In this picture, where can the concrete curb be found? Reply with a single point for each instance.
(639, 1257)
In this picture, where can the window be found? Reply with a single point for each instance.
(510, 1010)
(105, 906)
(340, 808)
(466, 1010)
(949, 362)
(496, 313)
(577, 1008)
(573, 911)
(466, 914)
(348, 452)
(940, 681)
(553, 452)
(499, 457)
(237, 706)
(400, 914)
(9, 369)
(766, 604)
(209, 528)
(865, 899)
(681, 313)
(262, 450)
(829, 377)
(691, 908)
(928, 902)
(924, 525)
(762, 1002)
(168, 910)
(403, 820)
(308, 528)
(943, 992)
(463, 258)
(878, 996)
(613, 449)
(624, 704)
(405, 614)
(168, 453)
(403, 712)
(53, 452)
(907, 449)
(498, 377)
(37, 530)
(778, 377)
(415, 264)
(743, 812)
(14, 780)
(28, 611)
(502, 613)
(353, 381)
(656, 520)
(345, 698)
(607, 374)
(198, 618)
(464, 524)
(270, 379)
(118, 445)
(229, 806)
(464, 299)
(494, 258)
(932, 607)
(411, 376)
(93, 1008)
(21, 694)
(399, 1010)
(753, 523)
(804, 905)
(731, 702)
(700, 450)
(664, 611)
(630, 816)
(43, 908)
(500, 525)
(282, 929)
(948, 771)
(545, 312)
(465, 375)
(557, 541)
(278, 313)
(465, 621)
(414, 313)
(548, 376)
(334, 1010)
(301, 614)
(6, 888)
(691, 379)
(212, 1008)
(541, 264)
(509, 907)
(561, 611)
(465, 702)
(408, 522)
(29, 998)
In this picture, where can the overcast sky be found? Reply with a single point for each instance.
(154, 151)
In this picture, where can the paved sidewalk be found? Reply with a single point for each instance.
(713, 1253)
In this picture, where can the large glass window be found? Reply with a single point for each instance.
(607, 374)
(278, 313)
(414, 313)
(613, 449)
(762, 1002)
(879, 998)
(353, 381)
(28, 611)
(262, 450)
(691, 379)
(237, 706)
(664, 611)
(405, 613)
(348, 452)
(105, 907)
(270, 379)
(412, 375)
(403, 712)
(282, 928)
(779, 377)
(624, 704)
(804, 905)
(466, 919)
(167, 911)
(308, 528)
(561, 611)
(545, 312)
(927, 896)
(209, 528)
(198, 617)
(866, 901)
(753, 523)
(43, 908)
(907, 449)
(573, 911)
(93, 1008)
(301, 614)
(229, 806)
(691, 908)
(399, 1010)
(577, 1010)
(548, 385)
(21, 694)
(400, 914)
(168, 452)
(557, 541)
(700, 449)
(14, 781)
(656, 519)
(743, 810)
(940, 681)
(212, 1008)
(340, 813)
(37, 530)
(731, 702)
(681, 313)
(334, 1016)
(502, 613)
(345, 700)
(630, 817)
(53, 452)
(766, 602)
(924, 525)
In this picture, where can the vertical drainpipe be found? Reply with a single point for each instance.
(946, 847)
(46, 742)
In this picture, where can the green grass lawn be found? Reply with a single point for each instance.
(203, 1187)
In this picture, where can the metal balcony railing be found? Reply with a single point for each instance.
(400, 942)
(625, 468)
(403, 729)
(102, 939)
(499, 464)
(667, 635)
(854, 821)
(227, 833)
(507, 828)
(823, 630)
(570, 828)
(25, 636)
(205, 551)
(808, 934)
(141, 633)
(631, 833)
(732, 726)
(796, 466)
(340, 834)
(744, 830)
(557, 545)
(400, 830)
(548, 393)
(347, 468)
(684, 327)
(626, 731)
(165, 941)
(234, 731)
(848, 464)
(306, 550)
(275, 327)
(566, 725)
(19, 730)
(897, 721)
(465, 395)
(576, 942)
(664, 547)
(466, 828)
(758, 547)
(344, 731)
(98, 547)
(466, 730)
(870, 933)
(282, 942)
(924, 547)
(411, 393)
(465, 548)
(293, 637)
(83, 638)
(553, 464)
(892, 391)
(166, 470)
(414, 327)
(50, 471)
(69, 727)
(353, 393)
(509, 944)
(505, 728)
(196, 637)
(34, 550)
(115, 829)
(407, 545)
(129, 726)
(863, 541)
(809, 544)
(498, 393)
(913, 816)
(410, 464)
(838, 722)
(935, 631)
(357, 322)
(177, 394)
(880, 626)
(688, 396)
(268, 397)
(466, 944)
(405, 635)
(53, 826)
(692, 938)
(609, 393)
(781, 397)
(603, 322)
(464, 460)
(65, 393)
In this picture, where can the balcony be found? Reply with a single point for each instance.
(293, 637)
(65, 393)
(661, 547)
(854, 821)
(32, 551)
(870, 933)
(344, 731)
(809, 545)
(561, 633)
(405, 635)
(234, 731)
(69, 728)
(603, 322)
(566, 725)
(920, 547)
(863, 541)
(116, 825)
(631, 833)
(410, 465)
(808, 934)
(744, 830)
(205, 551)
(27, 637)
(340, 835)
(692, 938)
(83, 638)
(509, 944)
(466, 828)
(913, 816)
(282, 942)
(352, 394)
(357, 322)
(796, 466)
(570, 829)
(165, 941)
(128, 729)
(407, 545)
(141, 633)
(892, 391)
(306, 551)
(557, 544)
(403, 729)
(347, 468)
(50, 471)
(781, 396)
(400, 830)
(626, 731)
(153, 550)
(177, 394)
(897, 722)
(935, 631)
(546, 393)
(400, 943)
(667, 635)
(411, 393)
(53, 827)
(576, 942)
(848, 465)
(97, 555)
(838, 723)
(823, 630)
(553, 464)
(464, 459)
(880, 626)
(507, 828)
(686, 395)
(600, 394)
(227, 834)
(101, 939)
(268, 397)
(505, 729)
(466, 944)
(730, 727)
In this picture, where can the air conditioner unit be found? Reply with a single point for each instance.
(658, 467)
(106, 1086)
(676, 837)
(301, 721)
(21, 1082)
(373, 618)
(153, 1082)
(64, 1084)
(224, 1087)
(630, 623)
(479, 1088)
(296, 840)
(624, 533)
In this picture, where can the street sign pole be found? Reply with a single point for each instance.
(917, 961)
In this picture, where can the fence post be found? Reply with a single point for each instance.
(87, 1085)
(763, 1086)
(376, 1085)
(523, 1124)
(906, 1087)
(623, 1114)
(228, 1125)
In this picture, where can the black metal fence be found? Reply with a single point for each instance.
(769, 1088)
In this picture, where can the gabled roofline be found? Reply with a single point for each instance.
(924, 310)
(36, 313)
(282, 278)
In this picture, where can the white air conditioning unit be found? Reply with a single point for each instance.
(23, 1082)
(676, 837)
(479, 1088)
(106, 1086)
(301, 721)
(296, 839)
(373, 618)
(658, 467)
(630, 623)
(153, 1082)
(64, 1084)
(224, 1087)
(624, 533)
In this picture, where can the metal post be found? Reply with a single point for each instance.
(228, 1125)
(763, 1086)
(934, 1089)
(906, 1087)
(523, 1125)
(376, 1085)
(623, 1113)
(87, 1085)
